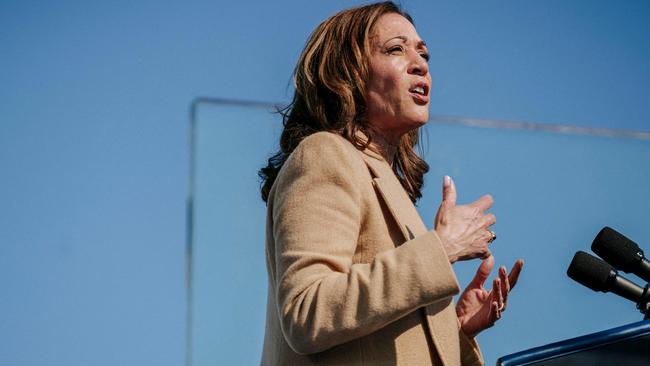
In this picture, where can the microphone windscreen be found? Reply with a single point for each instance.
(590, 271)
(617, 250)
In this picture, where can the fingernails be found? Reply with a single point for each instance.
(446, 181)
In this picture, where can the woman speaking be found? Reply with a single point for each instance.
(355, 276)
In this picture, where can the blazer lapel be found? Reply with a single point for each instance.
(393, 194)
(411, 225)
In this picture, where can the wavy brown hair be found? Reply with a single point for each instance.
(330, 87)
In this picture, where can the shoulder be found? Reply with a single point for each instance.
(326, 151)
(326, 142)
(320, 159)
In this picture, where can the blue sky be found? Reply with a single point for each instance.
(94, 142)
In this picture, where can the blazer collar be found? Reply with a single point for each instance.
(371, 153)
(393, 194)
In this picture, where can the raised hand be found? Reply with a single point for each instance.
(478, 309)
(463, 229)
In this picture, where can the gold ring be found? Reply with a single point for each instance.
(493, 236)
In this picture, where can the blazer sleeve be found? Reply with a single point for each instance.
(323, 298)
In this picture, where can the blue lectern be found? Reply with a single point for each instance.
(628, 345)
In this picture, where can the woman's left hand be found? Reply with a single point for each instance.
(479, 309)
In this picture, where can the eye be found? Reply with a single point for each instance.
(425, 56)
(394, 49)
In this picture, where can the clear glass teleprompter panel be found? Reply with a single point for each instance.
(552, 193)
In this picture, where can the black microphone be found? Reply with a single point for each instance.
(621, 252)
(596, 274)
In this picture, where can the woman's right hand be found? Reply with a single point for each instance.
(464, 229)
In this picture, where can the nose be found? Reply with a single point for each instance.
(419, 66)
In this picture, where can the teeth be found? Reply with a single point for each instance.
(419, 90)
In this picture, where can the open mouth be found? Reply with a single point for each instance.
(420, 92)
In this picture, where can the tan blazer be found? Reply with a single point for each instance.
(355, 277)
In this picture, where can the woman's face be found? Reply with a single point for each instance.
(397, 94)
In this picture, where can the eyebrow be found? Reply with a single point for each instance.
(421, 43)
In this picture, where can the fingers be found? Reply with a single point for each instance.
(480, 227)
(484, 203)
(448, 191)
(501, 286)
(482, 222)
(487, 220)
(486, 235)
(495, 314)
(483, 272)
(463, 228)
(496, 306)
(498, 294)
(505, 286)
(513, 277)
(505, 283)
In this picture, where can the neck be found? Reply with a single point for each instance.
(385, 147)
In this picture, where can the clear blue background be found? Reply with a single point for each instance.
(93, 137)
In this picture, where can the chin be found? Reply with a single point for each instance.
(420, 120)
(412, 124)
(420, 117)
